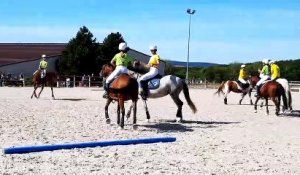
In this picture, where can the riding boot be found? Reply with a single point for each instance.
(144, 85)
(257, 91)
(106, 87)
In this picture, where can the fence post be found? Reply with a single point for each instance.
(205, 83)
(89, 81)
(23, 82)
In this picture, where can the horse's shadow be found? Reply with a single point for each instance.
(174, 126)
(293, 113)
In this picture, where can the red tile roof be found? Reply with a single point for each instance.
(18, 52)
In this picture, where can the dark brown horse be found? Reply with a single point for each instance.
(123, 88)
(50, 80)
(232, 86)
(274, 91)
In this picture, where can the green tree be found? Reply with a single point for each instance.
(80, 54)
(110, 46)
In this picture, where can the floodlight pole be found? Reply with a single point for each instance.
(190, 12)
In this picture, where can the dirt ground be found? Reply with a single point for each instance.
(218, 139)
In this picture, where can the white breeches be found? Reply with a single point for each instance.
(152, 73)
(262, 80)
(119, 70)
(243, 81)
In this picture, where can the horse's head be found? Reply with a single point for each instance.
(253, 80)
(106, 70)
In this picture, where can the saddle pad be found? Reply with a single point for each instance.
(154, 83)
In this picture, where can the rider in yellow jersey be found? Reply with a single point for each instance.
(121, 60)
(154, 66)
(275, 70)
(243, 75)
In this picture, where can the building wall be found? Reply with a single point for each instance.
(28, 67)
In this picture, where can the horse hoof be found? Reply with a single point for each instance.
(267, 114)
(108, 121)
(255, 111)
(135, 127)
(121, 128)
(178, 119)
(147, 120)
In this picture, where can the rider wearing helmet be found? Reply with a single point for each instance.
(121, 60)
(265, 74)
(275, 70)
(243, 76)
(43, 66)
(153, 64)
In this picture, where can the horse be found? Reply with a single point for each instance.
(50, 79)
(273, 90)
(284, 83)
(233, 86)
(167, 85)
(122, 88)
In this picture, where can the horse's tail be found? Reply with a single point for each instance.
(221, 87)
(284, 97)
(285, 84)
(187, 97)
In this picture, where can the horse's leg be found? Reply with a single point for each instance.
(40, 91)
(108, 101)
(243, 95)
(118, 114)
(134, 114)
(267, 108)
(129, 112)
(277, 104)
(121, 103)
(249, 93)
(179, 104)
(147, 112)
(52, 93)
(34, 89)
(255, 104)
(226, 89)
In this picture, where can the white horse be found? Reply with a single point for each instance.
(286, 86)
(169, 85)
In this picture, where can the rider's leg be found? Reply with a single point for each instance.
(144, 80)
(108, 80)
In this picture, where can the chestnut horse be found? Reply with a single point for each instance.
(122, 88)
(226, 87)
(50, 79)
(273, 90)
(284, 83)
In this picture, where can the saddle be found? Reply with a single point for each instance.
(242, 85)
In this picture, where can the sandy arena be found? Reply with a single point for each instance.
(218, 139)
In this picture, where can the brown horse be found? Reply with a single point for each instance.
(232, 86)
(50, 80)
(274, 91)
(123, 88)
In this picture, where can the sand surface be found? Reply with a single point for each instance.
(218, 139)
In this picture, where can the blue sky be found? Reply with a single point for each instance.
(223, 31)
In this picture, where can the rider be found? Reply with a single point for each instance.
(243, 75)
(153, 64)
(275, 70)
(265, 74)
(43, 66)
(121, 60)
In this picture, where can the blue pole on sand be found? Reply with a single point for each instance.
(38, 148)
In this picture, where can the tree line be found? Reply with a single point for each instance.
(289, 69)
